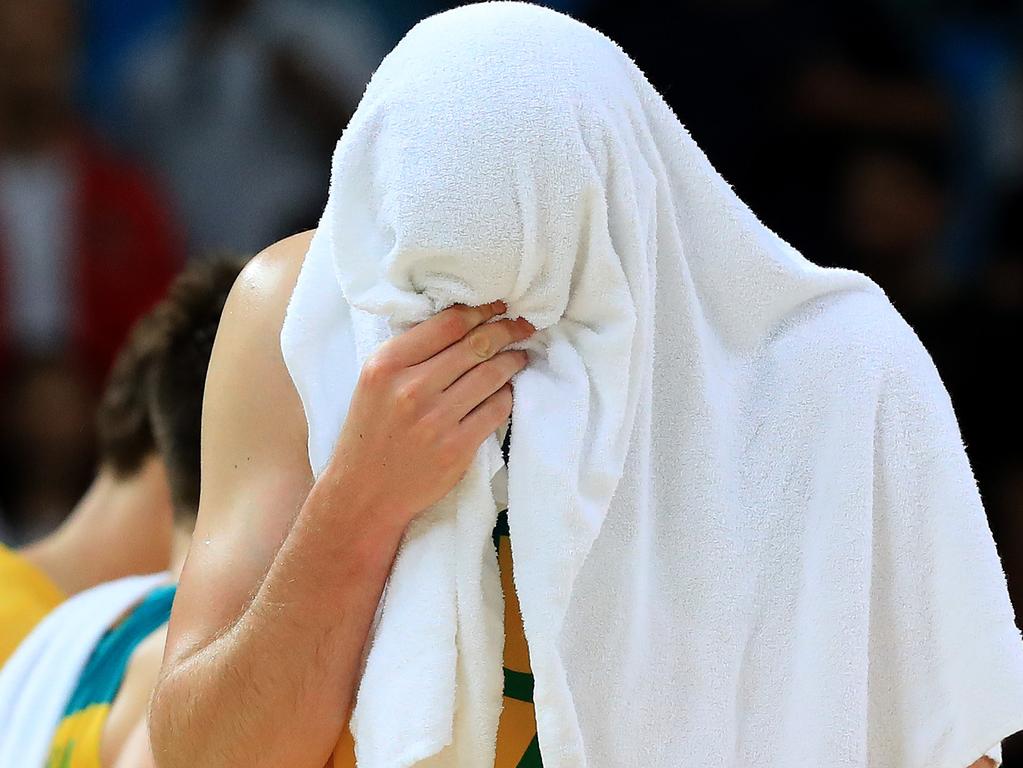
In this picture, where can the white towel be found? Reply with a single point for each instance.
(37, 681)
(745, 528)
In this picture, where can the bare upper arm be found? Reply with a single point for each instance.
(255, 467)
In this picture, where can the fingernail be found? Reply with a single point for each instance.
(499, 306)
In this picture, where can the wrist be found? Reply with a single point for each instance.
(372, 526)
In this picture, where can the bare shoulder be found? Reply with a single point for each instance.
(264, 287)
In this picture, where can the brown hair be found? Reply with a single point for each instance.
(153, 398)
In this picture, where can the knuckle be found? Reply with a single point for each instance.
(407, 396)
(498, 372)
(501, 402)
(431, 428)
(505, 366)
(480, 342)
(454, 323)
(515, 359)
(376, 369)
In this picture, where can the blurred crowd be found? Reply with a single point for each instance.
(134, 137)
(884, 136)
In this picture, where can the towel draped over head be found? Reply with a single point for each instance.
(745, 529)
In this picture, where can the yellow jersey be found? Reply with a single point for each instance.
(26, 596)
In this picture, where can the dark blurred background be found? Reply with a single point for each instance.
(885, 136)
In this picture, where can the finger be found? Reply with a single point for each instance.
(477, 346)
(482, 381)
(486, 417)
(426, 339)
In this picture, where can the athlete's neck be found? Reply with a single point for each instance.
(121, 526)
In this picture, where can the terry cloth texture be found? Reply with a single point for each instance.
(737, 495)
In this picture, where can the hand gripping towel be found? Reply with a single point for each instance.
(745, 529)
(37, 681)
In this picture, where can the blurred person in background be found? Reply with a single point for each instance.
(124, 523)
(237, 110)
(154, 410)
(85, 248)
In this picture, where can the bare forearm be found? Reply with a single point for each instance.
(275, 687)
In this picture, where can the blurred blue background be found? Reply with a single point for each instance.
(886, 136)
